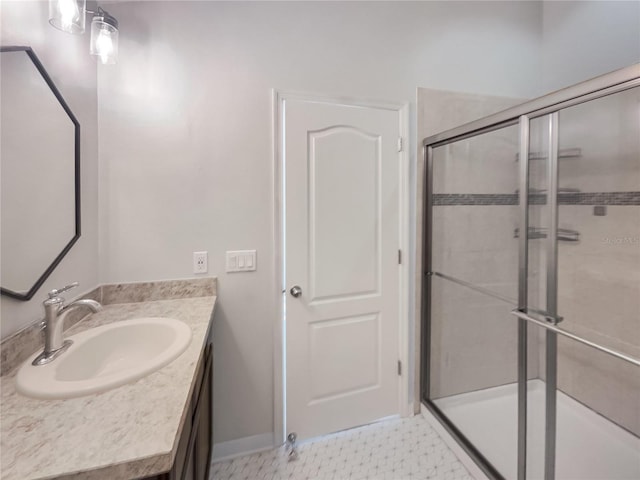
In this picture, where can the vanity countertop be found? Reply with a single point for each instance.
(128, 432)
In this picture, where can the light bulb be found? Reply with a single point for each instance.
(104, 38)
(104, 46)
(68, 13)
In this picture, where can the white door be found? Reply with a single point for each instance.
(342, 238)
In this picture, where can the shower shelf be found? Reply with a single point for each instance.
(564, 234)
(563, 153)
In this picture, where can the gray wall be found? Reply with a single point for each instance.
(67, 60)
(584, 39)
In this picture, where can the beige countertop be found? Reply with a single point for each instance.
(128, 432)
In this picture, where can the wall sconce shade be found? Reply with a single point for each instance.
(104, 37)
(68, 15)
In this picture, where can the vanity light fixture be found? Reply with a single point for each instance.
(104, 37)
(69, 16)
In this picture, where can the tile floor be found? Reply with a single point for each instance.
(401, 449)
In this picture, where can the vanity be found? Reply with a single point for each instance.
(157, 427)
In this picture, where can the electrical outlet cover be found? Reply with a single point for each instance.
(200, 263)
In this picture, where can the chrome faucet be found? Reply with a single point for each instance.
(55, 313)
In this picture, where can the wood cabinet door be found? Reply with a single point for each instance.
(204, 440)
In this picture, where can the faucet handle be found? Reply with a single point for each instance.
(56, 292)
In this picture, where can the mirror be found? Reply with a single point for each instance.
(39, 174)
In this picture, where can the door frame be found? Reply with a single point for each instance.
(405, 402)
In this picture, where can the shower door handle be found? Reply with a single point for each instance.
(296, 291)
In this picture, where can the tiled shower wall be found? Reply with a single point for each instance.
(599, 276)
(599, 298)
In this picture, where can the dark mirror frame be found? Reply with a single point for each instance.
(27, 296)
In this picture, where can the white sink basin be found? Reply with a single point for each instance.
(106, 357)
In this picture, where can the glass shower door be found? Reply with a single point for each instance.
(583, 263)
(598, 395)
(473, 360)
(520, 415)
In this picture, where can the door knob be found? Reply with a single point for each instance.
(296, 291)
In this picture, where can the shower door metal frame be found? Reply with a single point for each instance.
(521, 115)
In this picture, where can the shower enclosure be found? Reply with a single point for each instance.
(531, 287)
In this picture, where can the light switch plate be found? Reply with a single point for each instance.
(241, 261)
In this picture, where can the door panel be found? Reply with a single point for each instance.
(341, 248)
(345, 214)
(344, 356)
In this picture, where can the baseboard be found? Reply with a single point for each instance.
(241, 446)
(455, 447)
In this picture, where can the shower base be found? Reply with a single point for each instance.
(589, 447)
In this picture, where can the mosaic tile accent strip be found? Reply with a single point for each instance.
(442, 199)
(402, 449)
(596, 198)
(600, 198)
